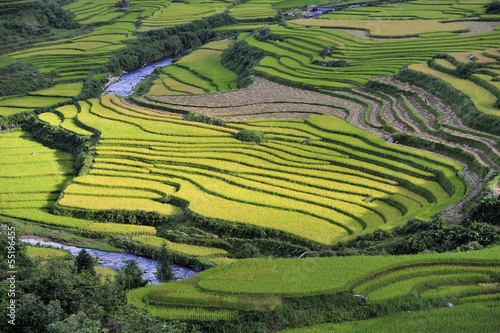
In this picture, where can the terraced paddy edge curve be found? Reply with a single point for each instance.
(314, 275)
(294, 57)
(262, 283)
(31, 178)
(322, 180)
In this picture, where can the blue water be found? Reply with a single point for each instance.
(322, 10)
(125, 87)
(117, 260)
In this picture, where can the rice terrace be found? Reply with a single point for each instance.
(317, 166)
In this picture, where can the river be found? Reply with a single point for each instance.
(117, 260)
(125, 87)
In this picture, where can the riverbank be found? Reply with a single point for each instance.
(114, 260)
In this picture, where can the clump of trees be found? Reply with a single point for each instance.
(156, 44)
(63, 296)
(21, 78)
(240, 58)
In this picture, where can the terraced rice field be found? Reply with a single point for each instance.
(290, 61)
(171, 14)
(438, 320)
(197, 73)
(420, 9)
(324, 182)
(253, 9)
(31, 179)
(458, 275)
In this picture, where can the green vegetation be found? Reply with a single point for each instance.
(294, 198)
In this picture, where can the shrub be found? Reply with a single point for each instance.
(493, 7)
(464, 70)
(487, 211)
(250, 136)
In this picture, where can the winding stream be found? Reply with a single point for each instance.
(125, 87)
(117, 260)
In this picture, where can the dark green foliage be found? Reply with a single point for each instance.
(27, 23)
(250, 136)
(164, 271)
(264, 34)
(327, 51)
(92, 88)
(203, 118)
(386, 88)
(181, 1)
(465, 70)
(51, 13)
(493, 7)
(122, 4)
(138, 217)
(21, 78)
(157, 44)
(240, 58)
(460, 102)
(79, 322)
(32, 313)
(85, 262)
(17, 118)
(130, 276)
(24, 30)
(420, 236)
(486, 210)
(330, 63)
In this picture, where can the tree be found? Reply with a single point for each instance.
(130, 276)
(164, 271)
(85, 262)
(493, 7)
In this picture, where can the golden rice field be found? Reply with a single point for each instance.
(343, 182)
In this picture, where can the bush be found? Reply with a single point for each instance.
(250, 136)
(203, 118)
(464, 70)
(493, 7)
(487, 211)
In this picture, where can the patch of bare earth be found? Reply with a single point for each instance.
(263, 97)
(478, 27)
